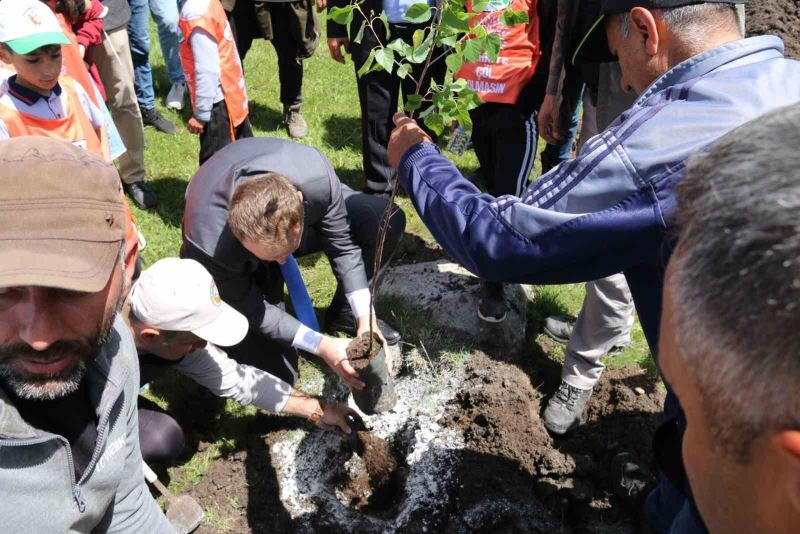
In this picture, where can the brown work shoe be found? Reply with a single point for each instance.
(295, 123)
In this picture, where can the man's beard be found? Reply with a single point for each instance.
(37, 386)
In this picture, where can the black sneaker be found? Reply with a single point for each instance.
(492, 303)
(565, 408)
(153, 117)
(144, 197)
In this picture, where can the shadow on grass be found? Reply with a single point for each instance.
(264, 118)
(170, 191)
(342, 132)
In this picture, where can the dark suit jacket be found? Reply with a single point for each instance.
(253, 287)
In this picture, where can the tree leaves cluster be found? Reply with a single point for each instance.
(447, 35)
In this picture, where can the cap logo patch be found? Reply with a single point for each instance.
(33, 16)
(215, 295)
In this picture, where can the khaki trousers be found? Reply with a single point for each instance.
(113, 60)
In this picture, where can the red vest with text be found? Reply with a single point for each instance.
(502, 80)
(216, 24)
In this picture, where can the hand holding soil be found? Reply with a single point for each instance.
(333, 352)
(335, 417)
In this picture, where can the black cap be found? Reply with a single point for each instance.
(592, 46)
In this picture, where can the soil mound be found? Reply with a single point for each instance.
(776, 17)
(468, 455)
(536, 481)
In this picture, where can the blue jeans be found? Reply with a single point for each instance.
(165, 14)
(553, 155)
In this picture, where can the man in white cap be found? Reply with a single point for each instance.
(179, 321)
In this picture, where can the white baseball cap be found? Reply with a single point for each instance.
(179, 295)
(26, 25)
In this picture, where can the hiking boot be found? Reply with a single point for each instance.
(153, 117)
(144, 197)
(559, 327)
(346, 324)
(492, 303)
(295, 123)
(176, 95)
(565, 408)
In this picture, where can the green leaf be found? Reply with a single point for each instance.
(385, 58)
(420, 53)
(479, 6)
(480, 31)
(367, 64)
(435, 122)
(510, 18)
(418, 13)
(464, 120)
(448, 40)
(491, 46)
(418, 37)
(341, 15)
(360, 35)
(403, 71)
(413, 102)
(427, 111)
(454, 62)
(385, 24)
(458, 85)
(398, 45)
(455, 21)
(472, 50)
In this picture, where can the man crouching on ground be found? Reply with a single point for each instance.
(69, 448)
(253, 207)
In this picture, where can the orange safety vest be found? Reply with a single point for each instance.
(76, 128)
(216, 24)
(502, 80)
(72, 65)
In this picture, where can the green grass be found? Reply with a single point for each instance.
(332, 111)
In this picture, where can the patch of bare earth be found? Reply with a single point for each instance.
(470, 455)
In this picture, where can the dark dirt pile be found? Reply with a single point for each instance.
(372, 480)
(776, 17)
(510, 475)
(540, 484)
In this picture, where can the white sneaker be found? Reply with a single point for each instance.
(176, 95)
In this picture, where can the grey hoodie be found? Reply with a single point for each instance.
(38, 490)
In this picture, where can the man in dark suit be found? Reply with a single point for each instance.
(252, 207)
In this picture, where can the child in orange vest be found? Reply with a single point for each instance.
(214, 76)
(38, 100)
(504, 126)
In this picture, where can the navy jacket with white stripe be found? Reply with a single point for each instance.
(609, 210)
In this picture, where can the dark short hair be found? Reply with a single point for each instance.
(736, 281)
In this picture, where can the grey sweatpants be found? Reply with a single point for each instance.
(607, 315)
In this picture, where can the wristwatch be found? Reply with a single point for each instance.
(316, 415)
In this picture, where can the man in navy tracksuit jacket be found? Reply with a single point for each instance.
(610, 210)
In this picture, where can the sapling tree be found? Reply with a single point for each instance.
(448, 33)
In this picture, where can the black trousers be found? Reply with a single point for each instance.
(161, 438)
(505, 144)
(217, 131)
(292, 28)
(378, 94)
(365, 213)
